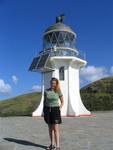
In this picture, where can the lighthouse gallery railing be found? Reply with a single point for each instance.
(79, 54)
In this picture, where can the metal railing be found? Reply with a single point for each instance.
(79, 54)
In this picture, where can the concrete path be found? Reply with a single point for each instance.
(80, 133)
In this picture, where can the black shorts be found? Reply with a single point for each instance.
(52, 115)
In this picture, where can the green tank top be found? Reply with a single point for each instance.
(51, 98)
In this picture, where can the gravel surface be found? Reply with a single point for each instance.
(79, 133)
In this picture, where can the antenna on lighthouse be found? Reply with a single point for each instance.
(60, 18)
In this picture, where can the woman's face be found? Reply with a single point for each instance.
(53, 84)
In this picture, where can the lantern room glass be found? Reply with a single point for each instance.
(59, 39)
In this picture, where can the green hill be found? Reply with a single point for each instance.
(96, 96)
(22, 105)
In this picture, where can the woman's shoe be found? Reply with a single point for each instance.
(50, 147)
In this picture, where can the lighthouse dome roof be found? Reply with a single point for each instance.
(59, 26)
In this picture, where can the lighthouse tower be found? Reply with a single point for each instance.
(60, 58)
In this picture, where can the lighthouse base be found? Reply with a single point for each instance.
(71, 111)
(73, 105)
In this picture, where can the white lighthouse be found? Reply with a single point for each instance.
(62, 60)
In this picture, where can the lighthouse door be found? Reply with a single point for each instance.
(63, 78)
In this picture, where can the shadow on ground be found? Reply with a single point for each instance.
(24, 142)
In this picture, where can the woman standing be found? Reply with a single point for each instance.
(52, 112)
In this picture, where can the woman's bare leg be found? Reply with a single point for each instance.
(57, 134)
(51, 134)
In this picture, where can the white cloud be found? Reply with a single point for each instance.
(36, 88)
(81, 81)
(111, 70)
(92, 73)
(14, 79)
(4, 88)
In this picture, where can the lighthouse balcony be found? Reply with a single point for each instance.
(78, 54)
(41, 61)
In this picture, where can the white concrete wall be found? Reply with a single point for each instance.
(70, 87)
(75, 106)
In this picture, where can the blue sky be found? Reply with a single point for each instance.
(22, 23)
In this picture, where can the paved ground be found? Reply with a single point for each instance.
(84, 133)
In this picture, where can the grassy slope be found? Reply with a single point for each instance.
(98, 95)
(21, 105)
(95, 96)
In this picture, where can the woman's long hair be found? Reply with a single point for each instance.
(57, 84)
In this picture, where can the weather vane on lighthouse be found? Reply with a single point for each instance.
(62, 60)
(60, 18)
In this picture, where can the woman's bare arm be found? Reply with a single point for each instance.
(61, 100)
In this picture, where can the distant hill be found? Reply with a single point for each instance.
(96, 96)
(22, 105)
